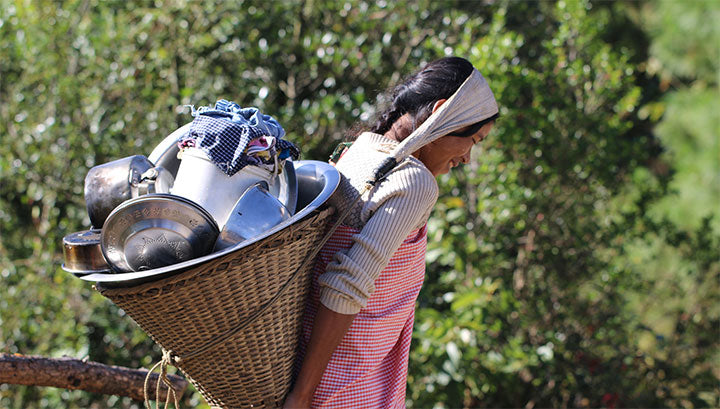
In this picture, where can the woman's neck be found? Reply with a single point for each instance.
(401, 129)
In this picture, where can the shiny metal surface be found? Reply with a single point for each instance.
(154, 180)
(202, 181)
(316, 183)
(283, 186)
(166, 152)
(82, 253)
(156, 230)
(254, 213)
(109, 184)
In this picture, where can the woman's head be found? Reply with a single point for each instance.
(419, 96)
(444, 153)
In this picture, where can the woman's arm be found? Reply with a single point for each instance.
(371, 250)
(328, 330)
(405, 198)
(349, 279)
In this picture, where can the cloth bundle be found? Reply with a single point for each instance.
(234, 137)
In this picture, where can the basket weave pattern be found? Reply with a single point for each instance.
(183, 312)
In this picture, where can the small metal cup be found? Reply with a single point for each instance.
(256, 211)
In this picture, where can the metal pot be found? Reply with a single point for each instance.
(110, 184)
(83, 254)
(201, 181)
(167, 154)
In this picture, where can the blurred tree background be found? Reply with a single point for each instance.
(574, 263)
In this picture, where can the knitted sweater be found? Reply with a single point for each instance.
(398, 205)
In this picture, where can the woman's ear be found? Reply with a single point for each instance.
(438, 104)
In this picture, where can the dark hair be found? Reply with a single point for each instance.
(419, 92)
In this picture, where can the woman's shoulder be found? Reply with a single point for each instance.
(375, 142)
(369, 150)
(413, 175)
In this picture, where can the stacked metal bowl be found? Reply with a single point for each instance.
(156, 211)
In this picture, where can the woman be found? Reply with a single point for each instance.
(358, 326)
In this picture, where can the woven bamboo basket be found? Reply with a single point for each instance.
(234, 300)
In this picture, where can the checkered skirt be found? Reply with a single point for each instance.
(369, 367)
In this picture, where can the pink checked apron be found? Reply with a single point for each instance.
(369, 367)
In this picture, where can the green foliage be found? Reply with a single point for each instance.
(686, 56)
(574, 263)
(537, 285)
(684, 44)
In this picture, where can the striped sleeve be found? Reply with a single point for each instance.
(403, 202)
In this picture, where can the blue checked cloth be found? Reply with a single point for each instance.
(223, 132)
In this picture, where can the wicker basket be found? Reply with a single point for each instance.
(252, 367)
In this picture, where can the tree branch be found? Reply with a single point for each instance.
(71, 373)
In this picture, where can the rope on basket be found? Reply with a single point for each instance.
(162, 378)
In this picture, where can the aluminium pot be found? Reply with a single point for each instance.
(110, 184)
(201, 181)
(83, 254)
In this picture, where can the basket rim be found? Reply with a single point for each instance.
(169, 280)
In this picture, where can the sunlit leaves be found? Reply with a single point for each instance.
(553, 268)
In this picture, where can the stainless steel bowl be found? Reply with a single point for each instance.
(82, 253)
(156, 230)
(254, 213)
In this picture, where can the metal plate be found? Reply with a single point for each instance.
(156, 230)
(317, 181)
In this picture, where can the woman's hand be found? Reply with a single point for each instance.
(328, 330)
(295, 401)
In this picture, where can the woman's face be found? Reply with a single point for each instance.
(449, 151)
